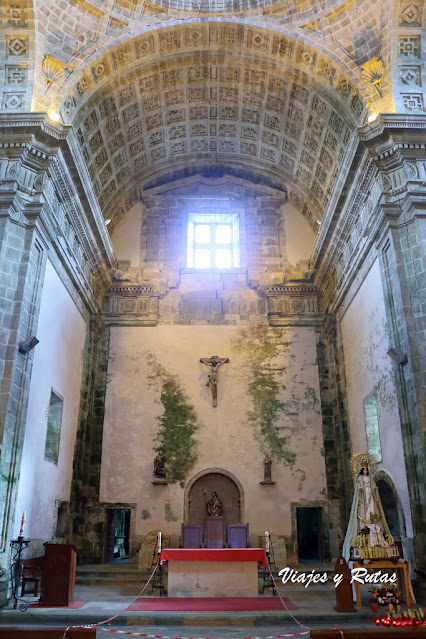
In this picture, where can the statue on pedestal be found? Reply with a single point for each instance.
(368, 533)
(214, 506)
(160, 473)
(267, 470)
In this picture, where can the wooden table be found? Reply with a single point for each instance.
(208, 572)
(378, 564)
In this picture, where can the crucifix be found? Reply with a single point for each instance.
(214, 363)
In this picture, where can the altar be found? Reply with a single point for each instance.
(212, 572)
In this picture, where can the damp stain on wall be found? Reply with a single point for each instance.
(177, 423)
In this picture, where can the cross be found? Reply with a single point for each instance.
(214, 363)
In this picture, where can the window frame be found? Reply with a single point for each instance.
(212, 220)
(53, 455)
(371, 447)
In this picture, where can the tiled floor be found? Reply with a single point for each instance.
(108, 596)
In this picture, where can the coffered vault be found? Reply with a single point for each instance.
(270, 91)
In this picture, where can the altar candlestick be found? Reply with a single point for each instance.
(267, 541)
(21, 532)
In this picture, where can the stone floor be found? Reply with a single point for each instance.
(109, 590)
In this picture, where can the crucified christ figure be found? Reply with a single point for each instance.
(214, 363)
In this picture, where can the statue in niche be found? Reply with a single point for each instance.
(160, 473)
(214, 506)
(368, 534)
(214, 363)
(267, 470)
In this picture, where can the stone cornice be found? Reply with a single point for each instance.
(28, 122)
(31, 129)
(383, 166)
(42, 165)
(288, 289)
(387, 122)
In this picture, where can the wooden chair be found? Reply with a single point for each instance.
(31, 573)
(191, 536)
(238, 536)
(215, 532)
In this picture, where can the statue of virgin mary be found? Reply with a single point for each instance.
(367, 511)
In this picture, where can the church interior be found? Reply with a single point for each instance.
(212, 275)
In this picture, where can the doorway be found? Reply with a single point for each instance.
(390, 507)
(309, 534)
(117, 529)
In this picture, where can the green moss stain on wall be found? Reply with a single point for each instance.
(178, 422)
(278, 414)
(311, 395)
(168, 512)
(145, 514)
(260, 349)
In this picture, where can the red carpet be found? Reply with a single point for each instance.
(172, 604)
(75, 604)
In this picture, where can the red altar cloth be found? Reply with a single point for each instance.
(213, 554)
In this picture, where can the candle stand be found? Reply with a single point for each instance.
(267, 579)
(16, 569)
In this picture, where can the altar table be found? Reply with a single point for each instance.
(208, 572)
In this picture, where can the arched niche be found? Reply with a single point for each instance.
(227, 486)
(391, 504)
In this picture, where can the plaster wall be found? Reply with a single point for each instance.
(299, 235)
(368, 369)
(226, 438)
(127, 236)
(58, 360)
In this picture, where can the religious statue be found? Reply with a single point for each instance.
(376, 532)
(367, 530)
(214, 506)
(267, 464)
(214, 363)
(267, 470)
(160, 467)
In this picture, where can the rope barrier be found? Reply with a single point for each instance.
(100, 623)
(301, 625)
(137, 634)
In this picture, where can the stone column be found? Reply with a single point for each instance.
(402, 259)
(45, 207)
(22, 266)
(335, 425)
(86, 514)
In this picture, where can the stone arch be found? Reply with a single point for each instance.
(391, 503)
(138, 123)
(209, 478)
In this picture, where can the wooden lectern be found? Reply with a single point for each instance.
(58, 575)
(215, 532)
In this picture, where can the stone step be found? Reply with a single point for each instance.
(130, 573)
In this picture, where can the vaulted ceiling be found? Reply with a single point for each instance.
(271, 92)
(250, 112)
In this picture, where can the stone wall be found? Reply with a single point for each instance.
(268, 401)
(368, 370)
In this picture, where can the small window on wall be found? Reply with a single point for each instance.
(213, 241)
(54, 423)
(372, 427)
